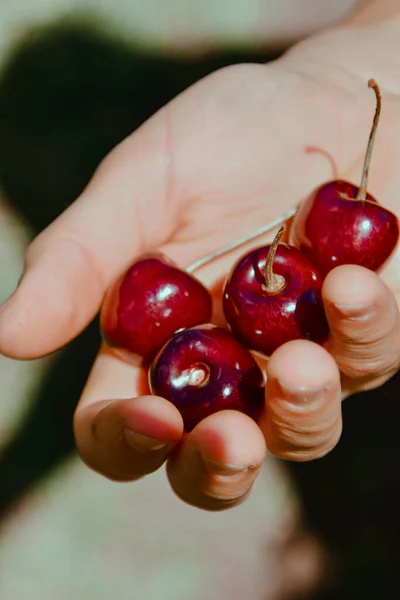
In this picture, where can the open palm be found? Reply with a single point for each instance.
(226, 157)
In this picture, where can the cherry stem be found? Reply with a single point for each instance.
(362, 191)
(273, 283)
(244, 240)
(198, 375)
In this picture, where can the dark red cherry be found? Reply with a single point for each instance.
(340, 223)
(333, 228)
(204, 370)
(150, 302)
(273, 296)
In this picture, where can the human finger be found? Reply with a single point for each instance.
(364, 321)
(71, 263)
(218, 462)
(303, 419)
(121, 431)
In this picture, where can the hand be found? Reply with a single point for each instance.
(224, 157)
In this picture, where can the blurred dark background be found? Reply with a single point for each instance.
(67, 96)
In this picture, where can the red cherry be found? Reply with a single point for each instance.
(341, 224)
(150, 302)
(203, 370)
(153, 299)
(273, 296)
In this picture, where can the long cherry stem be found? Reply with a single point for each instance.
(362, 191)
(244, 240)
(273, 283)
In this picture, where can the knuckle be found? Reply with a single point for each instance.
(298, 441)
(371, 354)
(211, 500)
(368, 365)
(211, 492)
(109, 458)
(363, 334)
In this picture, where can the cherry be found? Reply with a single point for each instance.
(153, 299)
(203, 370)
(150, 302)
(341, 224)
(272, 296)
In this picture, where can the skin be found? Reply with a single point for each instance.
(225, 156)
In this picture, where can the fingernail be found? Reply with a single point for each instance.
(302, 395)
(143, 443)
(355, 312)
(215, 467)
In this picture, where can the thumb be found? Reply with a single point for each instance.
(70, 264)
